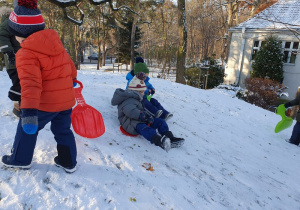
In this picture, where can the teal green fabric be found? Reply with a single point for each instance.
(140, 67)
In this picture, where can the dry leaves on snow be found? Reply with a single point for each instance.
(148, 166)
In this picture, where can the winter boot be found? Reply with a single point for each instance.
(168, 116)
(67, 169)
(163, 142)
(158, 113)
(16, 110)
(16, 113)
(8, 163)
(175, 142)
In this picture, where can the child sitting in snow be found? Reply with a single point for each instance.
(135, 120)
(295, 138)
(152, 106)
(46, 74)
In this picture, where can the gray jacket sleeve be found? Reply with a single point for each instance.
(130, 109)
(296, 101)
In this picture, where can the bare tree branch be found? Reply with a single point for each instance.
(77, 22)
(121, 7)
(66, 3)
(69, 3)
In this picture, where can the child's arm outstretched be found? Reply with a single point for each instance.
(292, 102)
(150, 88)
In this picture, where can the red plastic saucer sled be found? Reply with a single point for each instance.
(125, 133)
(86, 120)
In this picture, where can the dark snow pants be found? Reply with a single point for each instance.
(295, 138)
(153, 106)
(15, 90)
(24, 144)
(149, 131)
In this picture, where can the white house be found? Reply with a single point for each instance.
(281, 19)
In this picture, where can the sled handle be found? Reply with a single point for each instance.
(79, 98)
(280, 110)
(149, 97)
(80, 84)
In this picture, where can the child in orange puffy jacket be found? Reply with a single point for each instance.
(46, 74)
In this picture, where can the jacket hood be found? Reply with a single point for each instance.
(5, 11)
(45, 41)
(121, 95)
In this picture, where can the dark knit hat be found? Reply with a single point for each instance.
(139, 60)
(26, 19)
(140, 67)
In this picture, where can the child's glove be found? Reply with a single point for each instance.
(29, 119)
(143, 117)
(74, 83)
(151, 91)
(287, 105)
(150, 120)
(11, 57)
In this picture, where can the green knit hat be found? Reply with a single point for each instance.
(140, 67)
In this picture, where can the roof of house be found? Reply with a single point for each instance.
(282, 15)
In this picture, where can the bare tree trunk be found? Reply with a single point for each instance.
(133, 31)
(77, 46)
(182, 32)
(103, 53)
(99, 63)
(191, 50)
(232, 7)
(164, 60)
(72, 44)
(132, 41)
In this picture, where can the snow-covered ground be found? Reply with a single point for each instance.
(232, 159)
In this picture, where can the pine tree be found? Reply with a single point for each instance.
(268, 62)
(124, 39)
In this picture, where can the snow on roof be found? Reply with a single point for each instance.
(281, 15)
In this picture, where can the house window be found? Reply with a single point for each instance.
(290, 50)
(256, 46)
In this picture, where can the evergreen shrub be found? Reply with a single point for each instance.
(268, 62)
(215, 76)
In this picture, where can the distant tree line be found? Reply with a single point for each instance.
(171, 35)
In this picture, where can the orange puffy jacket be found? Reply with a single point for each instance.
(46, 73)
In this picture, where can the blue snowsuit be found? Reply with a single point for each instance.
(153, 105)
(24, 144)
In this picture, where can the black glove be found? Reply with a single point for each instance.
(287, 105)
(150, 120)
(151, 91)
(11, 57)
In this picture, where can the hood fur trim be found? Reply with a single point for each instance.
(5, 11)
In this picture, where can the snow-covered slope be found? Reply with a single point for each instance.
(232, 159)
